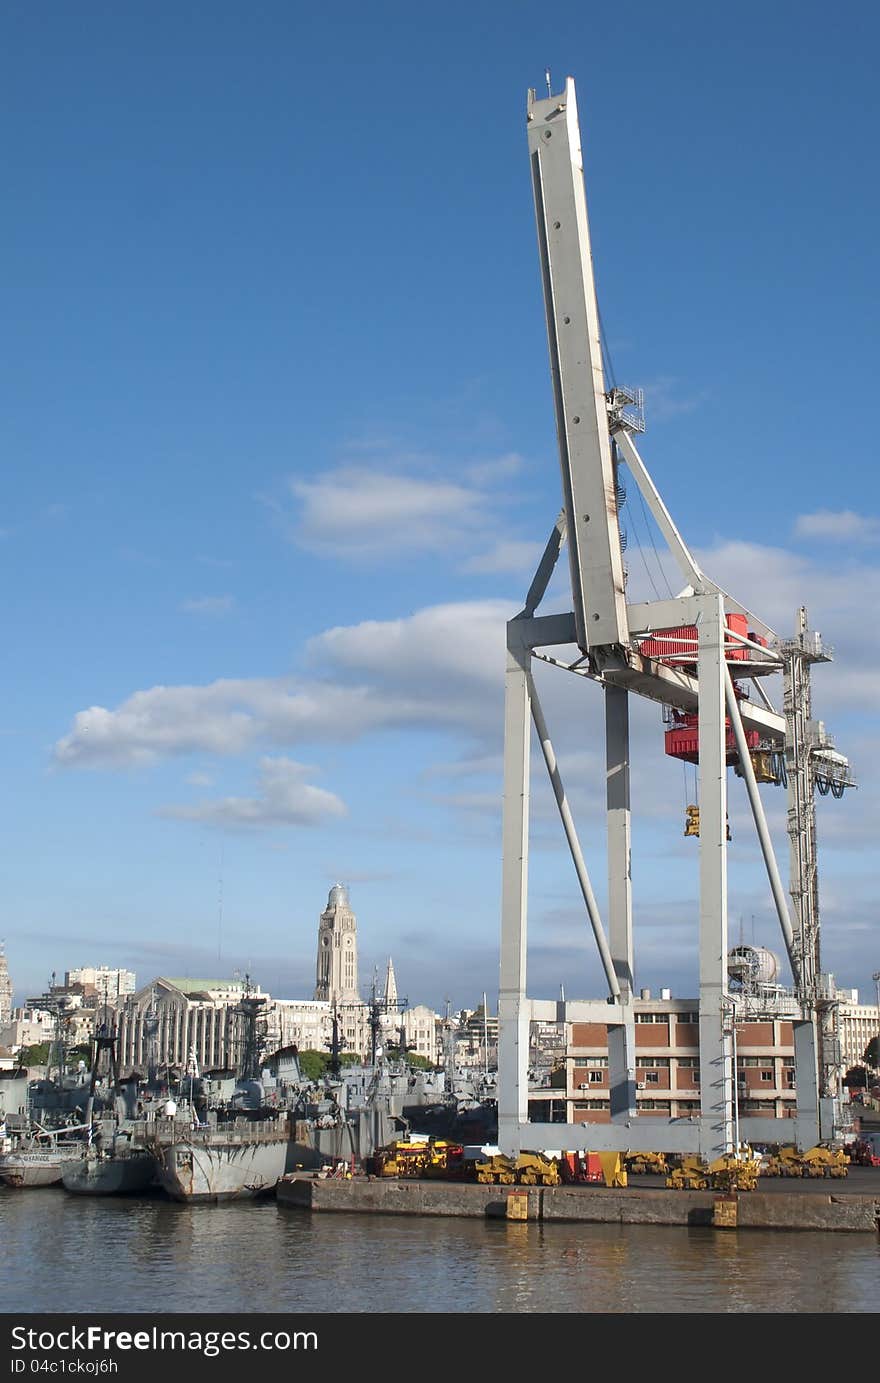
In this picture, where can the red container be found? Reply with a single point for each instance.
(682, 741)
(592, 1167)
(668, 642)
(672, 643)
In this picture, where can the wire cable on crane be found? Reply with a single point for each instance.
(606, 353)
(653, 544)
(608, 364)
(655, 588)
(645, 565)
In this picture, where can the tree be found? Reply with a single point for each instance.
(314, 1064)
(421, 1063)
(856, 1078)
(37, 1055)
(871, 1054)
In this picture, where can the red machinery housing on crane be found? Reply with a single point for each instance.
(678, 648)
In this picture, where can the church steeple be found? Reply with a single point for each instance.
(390, 986)
(337, 966)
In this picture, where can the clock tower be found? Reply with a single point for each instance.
(337, 967)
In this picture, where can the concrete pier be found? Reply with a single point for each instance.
(819, 1208)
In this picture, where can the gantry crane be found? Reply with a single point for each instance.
(698, 654)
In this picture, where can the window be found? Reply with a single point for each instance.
(662, 1106)
(767, 1075)
(652, 1078)
(686, 1017)
(597, 1077)
(661, 1061)
(684, 1061)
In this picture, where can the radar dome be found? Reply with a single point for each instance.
(753, 965)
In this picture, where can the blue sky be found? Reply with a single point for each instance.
(279, 454)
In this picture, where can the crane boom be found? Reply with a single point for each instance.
(588, 473)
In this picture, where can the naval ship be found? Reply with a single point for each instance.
(38, 1158)
(241, 1148)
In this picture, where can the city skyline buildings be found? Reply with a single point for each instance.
(6, 991)
(336, 973)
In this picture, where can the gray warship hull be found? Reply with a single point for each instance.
(110, 1176)
(357, 1136)
(39, 1167)
(247, 1158)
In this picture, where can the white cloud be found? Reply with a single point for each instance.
(461, 640)
(439, 668)
(209, 605)
(838, 525)
(355, 513)
(774, 583)
(506, 555)
(283, 798)
(152, 724)
(224, 717)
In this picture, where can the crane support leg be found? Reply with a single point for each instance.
(716, 1074)
(806, 1066)
(513, 1008)
(621, 1037)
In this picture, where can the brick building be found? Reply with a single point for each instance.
(668, 1064)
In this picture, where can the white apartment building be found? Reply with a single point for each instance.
(857, 1024)
(108, 983)
(26, 1028)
